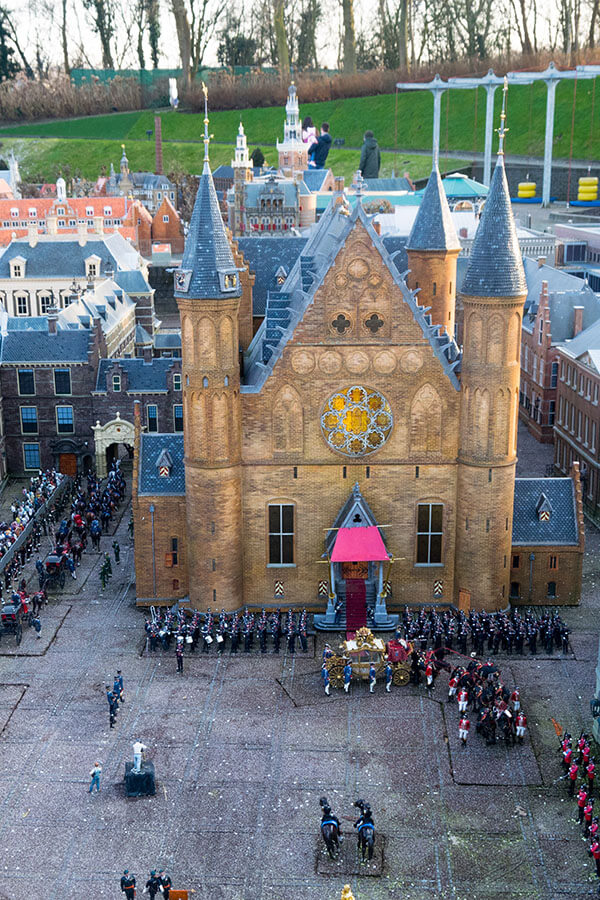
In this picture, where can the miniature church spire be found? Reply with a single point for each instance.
(433, 228)
(124, 162)
(241, 149)
(495, 266)
(206, 134)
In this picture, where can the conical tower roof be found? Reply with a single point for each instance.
(208, 270)
(433, 228)
(495, 266)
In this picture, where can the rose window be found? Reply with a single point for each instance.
(357, 421)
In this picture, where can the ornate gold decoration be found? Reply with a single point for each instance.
(365, 640)
(357, 421)
(347, 893)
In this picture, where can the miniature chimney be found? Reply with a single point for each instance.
(82, 234)
(377, 227)
(99, 224)
(577, 320)
(158, 165)
(52, 319)
(32, 234)
(541, 261)
(338, 184)
(463, 233)
(52, 225)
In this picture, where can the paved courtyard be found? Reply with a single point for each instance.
(244, 747)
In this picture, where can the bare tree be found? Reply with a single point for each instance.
(393, 33)
(196, 22)
(103, 20)
(11, 32)
(281, 40)
(63, 36)
(525, 12)
(593, 22)
(349, 36)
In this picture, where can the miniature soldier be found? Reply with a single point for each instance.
(572, 777)
(128, 885)
(582, 797)
(595, 854)
(326, 680)
(179, 654)
(585, 756)
(108, 564)
(591, 774)
(104, 576)
(262, 631)
(521, 725)
(248, 630)
(113, 704)
(463, 699)
(452, 686)
(221, 631)
(207, 630)
(389, 676)
(372, 678)
(594, 826)
(429, 676)
(347, 675)
(581, 745)
(166, 883)
(463, 729)
(116, 550)
(152, 885)
(567, 757)
(302, 632)
(276, 629)
(37, 624)
(235, 632)
(515, 699)
(587, 816)
(327, 653)
(118, 687)
(291, 632)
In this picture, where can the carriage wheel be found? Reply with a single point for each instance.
(61, 579)
(19, 633)
(336, 675)
(401, 676)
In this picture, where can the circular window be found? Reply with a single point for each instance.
(357, 421)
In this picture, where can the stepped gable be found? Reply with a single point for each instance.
(495, 266)
(286, 307)
(433, 228)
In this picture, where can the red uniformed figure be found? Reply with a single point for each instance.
(463, 729)
(580, 745)
(521, 725)
(587, 816)
(452, 685)
(463, 699)
(586, 754)
(595, 853)
(567, 758)
(581, 802)
(429, 676)
(566, 742)
(591, 774)
(573, 769)
(515, 699)
(594, 828)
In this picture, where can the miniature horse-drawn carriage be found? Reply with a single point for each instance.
(13, 615)
(366, 650)
(55, 574)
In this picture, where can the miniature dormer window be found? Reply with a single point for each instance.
(544, 509)
(17, 267)
(280, 275)
(89, 211)
(164, 464)
(228, 281)
(92, 267)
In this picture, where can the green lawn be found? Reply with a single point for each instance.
(41, 160)
(463, 122)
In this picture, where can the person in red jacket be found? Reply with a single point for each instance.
(572, 776)
(567, 758)
(463, 730)
(521, 726)
(452, 685)
(595, 853)
(588, 812)
(590, 771)
(463, 699)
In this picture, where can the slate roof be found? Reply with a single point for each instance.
(564, 292)
(286, 306)
(314, 178)
(167, 340)
(433, 228)
(207, 251)
(133, 282)
(562, 527)
(265, 256)
(37, 346)
(151, 448)
(388, 184)
(66, 258)
(142, 376)
(495, 266)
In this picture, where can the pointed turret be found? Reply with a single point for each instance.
(495, 266)
(241, 149)
(293, 152)
(433, 228)
(208, 270)
(432, 249)
(124, 162)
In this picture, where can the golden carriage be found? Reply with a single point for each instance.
(366, 650)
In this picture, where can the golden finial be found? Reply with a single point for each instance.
(503, 130)
(347, 893)
(206, 134)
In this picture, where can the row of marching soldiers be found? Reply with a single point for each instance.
(578, 763)
(238, 630)
(497, 709)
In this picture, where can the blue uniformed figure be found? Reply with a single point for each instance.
(372, 678)
(389, 674)
(128, 885)
(326, 680)
(118, 687)
(327, 652)
(347, 675)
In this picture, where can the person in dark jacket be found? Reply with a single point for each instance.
(370, 157)
(319, 151)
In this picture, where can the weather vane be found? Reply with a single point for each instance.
(503, 130)
(206, 134)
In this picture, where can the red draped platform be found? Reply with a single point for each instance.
(362, 544)
(356, 604)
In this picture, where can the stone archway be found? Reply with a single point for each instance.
(117, 431)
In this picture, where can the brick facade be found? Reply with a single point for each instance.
(539, 374)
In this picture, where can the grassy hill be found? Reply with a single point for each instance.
(41, 160)
(463, 120)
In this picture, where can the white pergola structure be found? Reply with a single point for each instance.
(490, 82)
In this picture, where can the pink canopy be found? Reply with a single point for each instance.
(361, 544)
